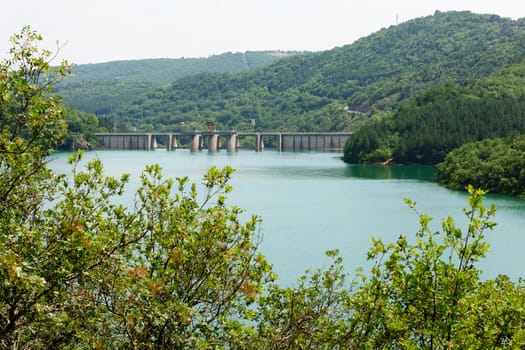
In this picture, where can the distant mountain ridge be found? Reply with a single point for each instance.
(101, 87)
(315, 92)
(167, 70)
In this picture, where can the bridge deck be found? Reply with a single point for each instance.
(216, 140)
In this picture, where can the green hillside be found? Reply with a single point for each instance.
(102, 87)
(167, 70)
(338, 89)
(424, 129)
(497, 165)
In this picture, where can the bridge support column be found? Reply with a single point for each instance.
(171, 144)
(195, 144)
(168, 143)
(259, 143)
(148, 142)
(213, 142)
(232, 143)
(154, 144)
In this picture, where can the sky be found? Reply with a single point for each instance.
(94, 31)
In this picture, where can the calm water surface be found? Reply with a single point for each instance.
(313, 202)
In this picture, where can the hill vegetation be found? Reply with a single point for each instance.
(425, 128)
(338, 89)
(497, 165)
(411, 92)
(102, 87)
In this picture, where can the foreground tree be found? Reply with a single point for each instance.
(30, 125)
(421, 293)
(175, 269)
(192, 270)
(79, 270)
(428, 293)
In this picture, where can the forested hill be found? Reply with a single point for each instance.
(436, 121)
(167, 70)
(329, 90)
(101, 87)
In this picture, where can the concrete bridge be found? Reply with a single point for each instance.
(230, 140)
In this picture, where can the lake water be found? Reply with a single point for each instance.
(313, 202)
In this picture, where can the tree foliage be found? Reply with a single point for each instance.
(497, 165)
(334, 90)
(424, 129)
(31, 125)
(177, 268)
(102, 87)
(79, 270)
(81, 129)
(373, 74)
(424, 292)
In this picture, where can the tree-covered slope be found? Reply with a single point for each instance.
(497, 165)
(326, 90)
(100, 88)
(167, 70)
(424, 129)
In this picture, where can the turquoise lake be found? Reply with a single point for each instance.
(313, 202)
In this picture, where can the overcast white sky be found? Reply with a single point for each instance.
(108, 30)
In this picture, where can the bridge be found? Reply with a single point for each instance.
(230, 140)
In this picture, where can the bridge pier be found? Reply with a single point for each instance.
(259, 142)
(232, 143)
(213, 142)
(168, 142)
(195, 144)
(171, 143)
(153, 144)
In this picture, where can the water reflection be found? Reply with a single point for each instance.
(372, 172)
(402, 172)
